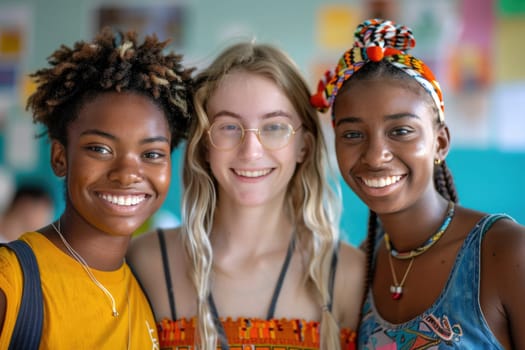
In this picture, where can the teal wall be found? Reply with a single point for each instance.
(487, 178)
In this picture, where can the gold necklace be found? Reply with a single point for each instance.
(396, 289)
(86, 267)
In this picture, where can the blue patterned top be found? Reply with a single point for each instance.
(454, 321)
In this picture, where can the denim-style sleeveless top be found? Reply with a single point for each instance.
(454, 321)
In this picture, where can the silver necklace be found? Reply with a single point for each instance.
(86, 267)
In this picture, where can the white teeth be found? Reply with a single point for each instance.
(381, 181)
(252, 173)
(123, 200)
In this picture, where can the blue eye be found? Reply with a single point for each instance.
(274, 127)
(227, 127)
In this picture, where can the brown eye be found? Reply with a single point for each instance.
(351, 135)
(401, 131)
(98, 149)
(154, 155)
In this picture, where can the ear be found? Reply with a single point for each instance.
(58, 158)
(305, 147)
(442, 143)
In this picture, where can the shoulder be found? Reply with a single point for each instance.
(503, 250)
(503, 239)
(350, 259)
(9, 264)
(11, 281)
(147, 246)
(504, 245)
(349, 285)
(11, 275)
(145, 242)
(503, 279)
(9, 267)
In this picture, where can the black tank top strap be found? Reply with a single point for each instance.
(271, 311)
(331, 281)
(223, 339)
(280, 280)
(167, 273)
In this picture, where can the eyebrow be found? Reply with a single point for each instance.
(114, 138)
(388, 117)
(277, 113)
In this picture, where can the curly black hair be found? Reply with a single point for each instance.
(113, 61)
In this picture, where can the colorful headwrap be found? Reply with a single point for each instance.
(376, 40)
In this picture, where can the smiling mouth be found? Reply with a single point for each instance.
(252, 173)
(127, 201)
(380, 182)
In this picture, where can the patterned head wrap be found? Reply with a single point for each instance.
(376, 40)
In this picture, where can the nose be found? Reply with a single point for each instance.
(377, 152)
(126, 170)
(250, 147)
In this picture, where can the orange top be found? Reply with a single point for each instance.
(246, 333)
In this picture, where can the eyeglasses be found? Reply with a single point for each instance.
(273, 135)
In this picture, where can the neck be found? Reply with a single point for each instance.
(100, 250)
(250, 229)
(404, 235)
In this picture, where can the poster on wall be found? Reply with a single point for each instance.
(509, 124)
(334, 24)
(14, 28)
(166, 21)
(456, 43)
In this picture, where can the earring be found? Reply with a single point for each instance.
(437, 161)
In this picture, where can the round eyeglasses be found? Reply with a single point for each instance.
(273, 135)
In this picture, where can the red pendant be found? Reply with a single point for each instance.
(396, 291)
(396, 296)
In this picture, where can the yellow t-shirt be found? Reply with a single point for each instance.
(77, 313)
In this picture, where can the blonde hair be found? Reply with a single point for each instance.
(311, 199)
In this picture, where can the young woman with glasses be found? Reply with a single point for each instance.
(257, 260)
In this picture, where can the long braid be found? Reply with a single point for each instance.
(451, 187)
(444, 182)
(370, 244)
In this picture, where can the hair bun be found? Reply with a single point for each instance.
(384, 34)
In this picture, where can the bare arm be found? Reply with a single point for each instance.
(503, 282)
(349, 286)
(145, 258)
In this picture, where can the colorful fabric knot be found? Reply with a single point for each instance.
(377, 40)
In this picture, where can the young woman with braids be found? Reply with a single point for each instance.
(113, 110)
(440, 276)
(257, 261)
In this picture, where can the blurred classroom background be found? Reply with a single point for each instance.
(475, 47)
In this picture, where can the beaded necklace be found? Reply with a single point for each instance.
(396, 289)
(429, 243)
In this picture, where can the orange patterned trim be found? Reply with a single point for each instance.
(276, 334)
